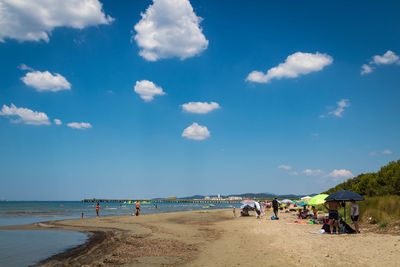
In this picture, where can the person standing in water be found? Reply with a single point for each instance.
(97, 209)
(137, 208)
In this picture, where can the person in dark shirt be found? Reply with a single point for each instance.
(275, 206)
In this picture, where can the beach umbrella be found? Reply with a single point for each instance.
(344, 195)
(317, 200)
(248, 202)
(287, 201)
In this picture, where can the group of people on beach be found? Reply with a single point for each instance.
(137, 211)
(332, 206)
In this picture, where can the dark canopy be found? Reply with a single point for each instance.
(344, 195)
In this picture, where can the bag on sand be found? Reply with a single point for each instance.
(274, 218)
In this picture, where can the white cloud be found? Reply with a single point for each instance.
(285, 167)
(293, 173)
(200, 107)
(79, 125)
(25, 67)
(24, 115)
(342, 104)
(169, 28)
(147, 90)
(338, 112)
(388, 58)
(313, 172)
(365, 69)
(34, 20)
(295, 65)
(45, 81)
(57, 121)
(387, 152)
(342, 173)
(196, 132)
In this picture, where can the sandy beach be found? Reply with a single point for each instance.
(214, 238)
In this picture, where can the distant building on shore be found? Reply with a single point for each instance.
(171, 197)
(234, 198)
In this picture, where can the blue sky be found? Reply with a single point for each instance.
(312, 117)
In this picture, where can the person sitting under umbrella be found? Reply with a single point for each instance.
(333, 206)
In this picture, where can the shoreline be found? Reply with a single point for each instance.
(213, 238)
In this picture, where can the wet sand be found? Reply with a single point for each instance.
(214, 238)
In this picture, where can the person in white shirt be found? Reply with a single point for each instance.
(354, 212)
(258, 209)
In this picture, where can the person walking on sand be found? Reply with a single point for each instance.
(137, 208)
(275, 206)
(354, 212)
(97, 209)
(333, 206)
(234, 212)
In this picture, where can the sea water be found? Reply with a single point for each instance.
(27, 247)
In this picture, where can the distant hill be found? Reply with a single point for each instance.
(384, 182)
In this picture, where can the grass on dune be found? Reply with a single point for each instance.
(383, 210)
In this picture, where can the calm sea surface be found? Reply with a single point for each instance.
(27, 247)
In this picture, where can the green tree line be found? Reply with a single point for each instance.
(384, 182)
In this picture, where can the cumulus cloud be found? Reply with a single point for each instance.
(45, 81)
(338, 112)
(285, 167)
(200, 107)
(387, 152)
(342, 173)
(24, 115)
(341, 105)
(295, 65)
(311, 172)
(365, 69)
(25, 67)
(196, 132)
(147, 90)
(293, 173)
(169, 28)
(57, 121)
(34, 20)
(79, 125)
(386, 59)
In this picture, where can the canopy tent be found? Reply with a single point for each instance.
(344, 196)
(318, 200)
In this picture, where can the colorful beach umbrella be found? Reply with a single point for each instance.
(317, 200)
(248, 202)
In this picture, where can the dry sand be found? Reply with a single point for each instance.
(214, 238)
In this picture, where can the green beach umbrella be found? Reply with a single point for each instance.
(317, 200)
